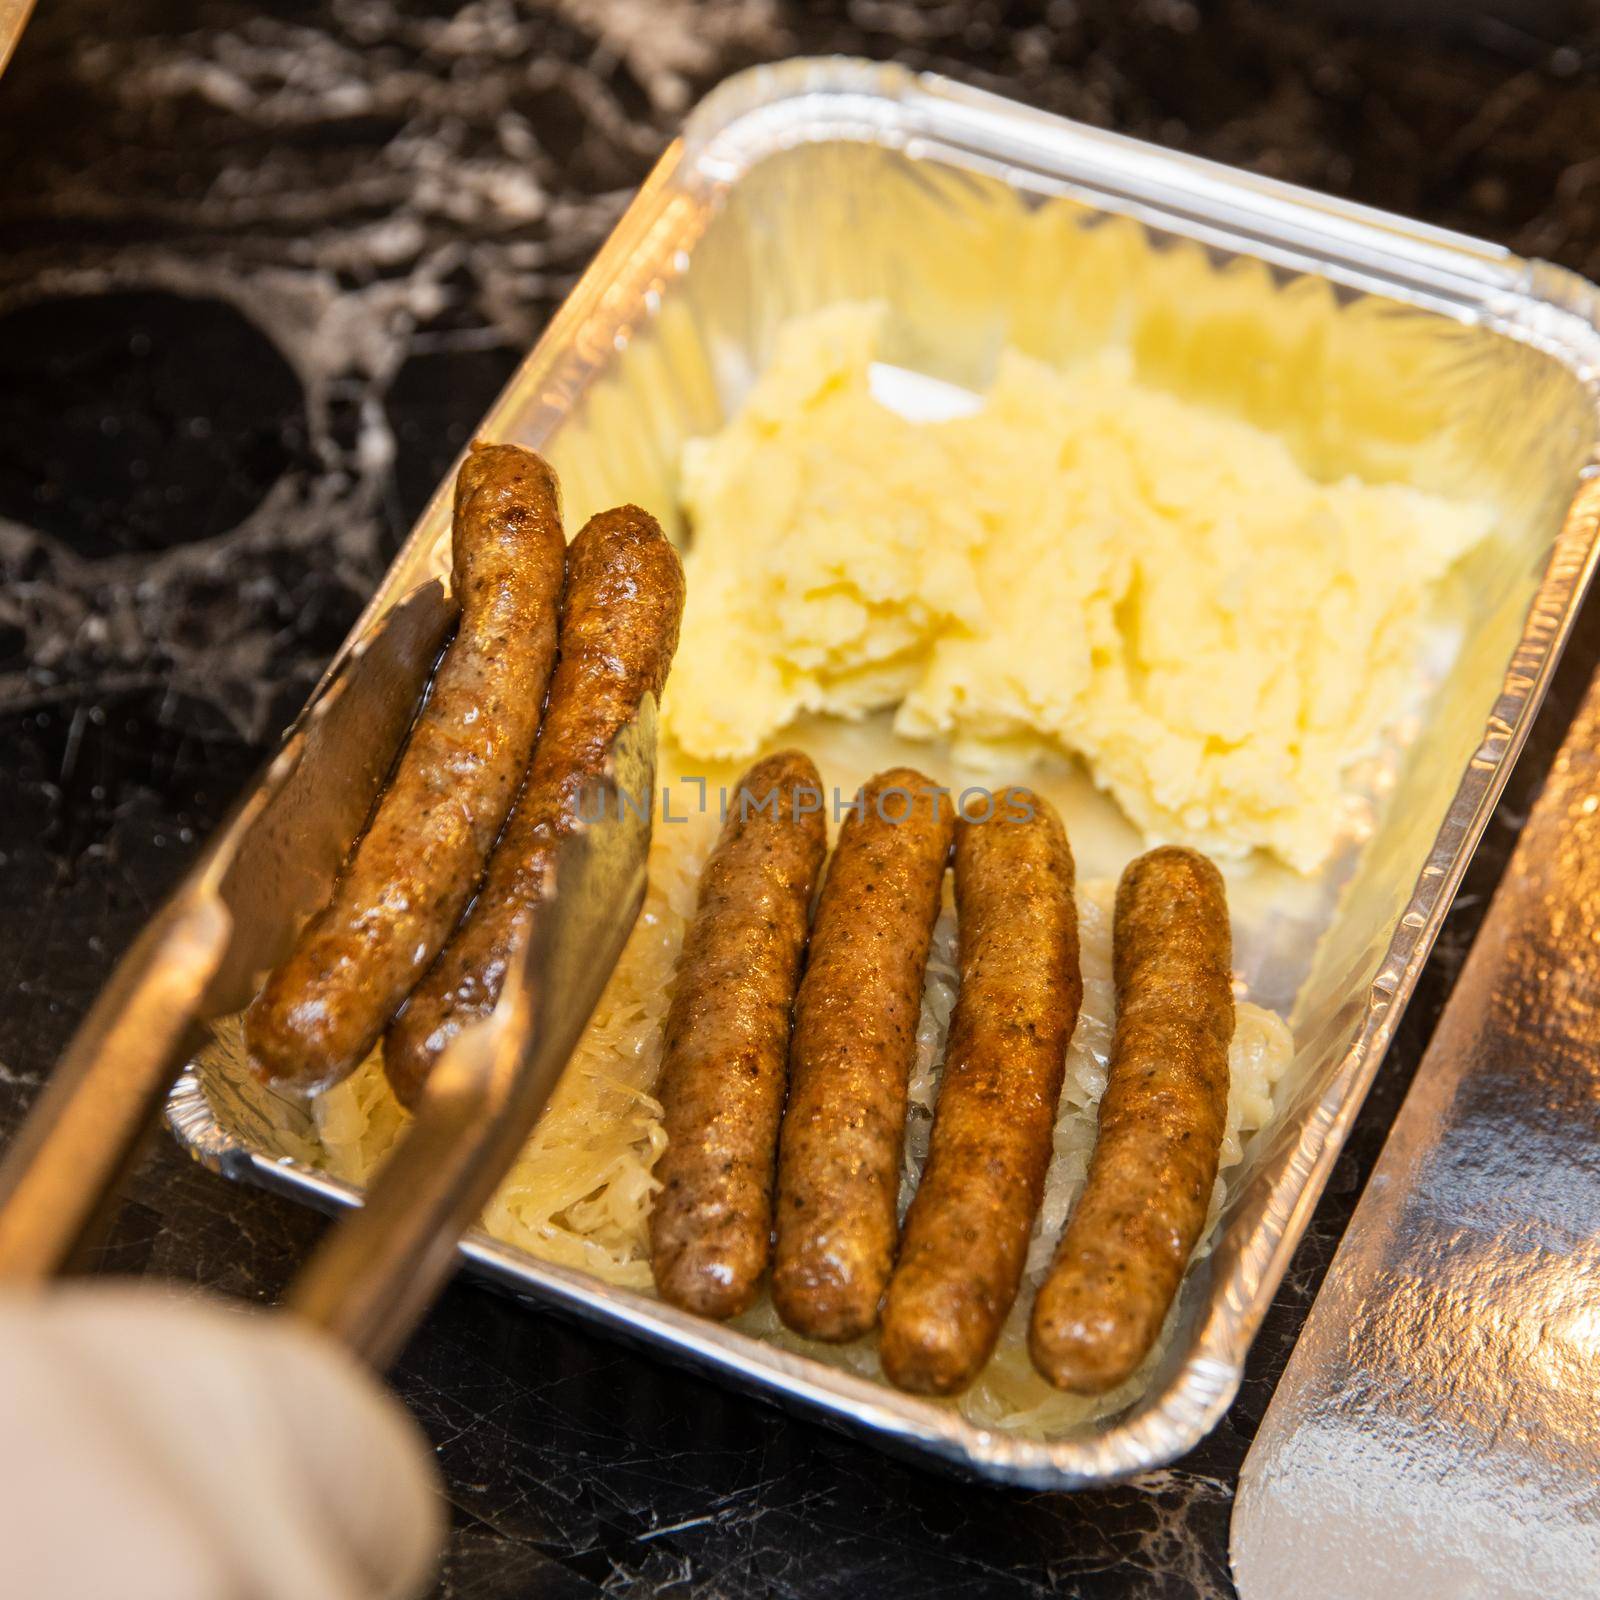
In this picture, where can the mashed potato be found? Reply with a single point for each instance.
(1084, 564)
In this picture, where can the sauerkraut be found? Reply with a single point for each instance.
(580, 1192)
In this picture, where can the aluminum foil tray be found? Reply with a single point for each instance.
(1373, 345)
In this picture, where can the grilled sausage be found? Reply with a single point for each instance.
(966, 1236)
(1139, 1218)
(619, 629)
(416, 865)
(855, 1039)
(725, 1061)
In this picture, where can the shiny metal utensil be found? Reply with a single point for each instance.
(14, 16)
(380, 1268)
(236, 915)
(1435, 1432)
(233, 917)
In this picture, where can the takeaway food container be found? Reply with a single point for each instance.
(1375, 345)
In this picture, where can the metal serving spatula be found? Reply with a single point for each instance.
(1437, 1431)
(236, 915)
(14, 16)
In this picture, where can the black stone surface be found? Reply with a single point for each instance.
(262, 266)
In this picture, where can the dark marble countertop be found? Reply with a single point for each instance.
(261, 268)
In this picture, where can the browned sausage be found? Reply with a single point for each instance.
(1161, 1123)
(966, 1235)
(725, 1060)
(855, 1039)
(422, 854)
(619, 629)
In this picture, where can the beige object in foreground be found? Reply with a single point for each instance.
(168, 1448)
(1162, 1119)
(1435, 1432)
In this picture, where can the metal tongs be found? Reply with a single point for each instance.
(236, 915)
